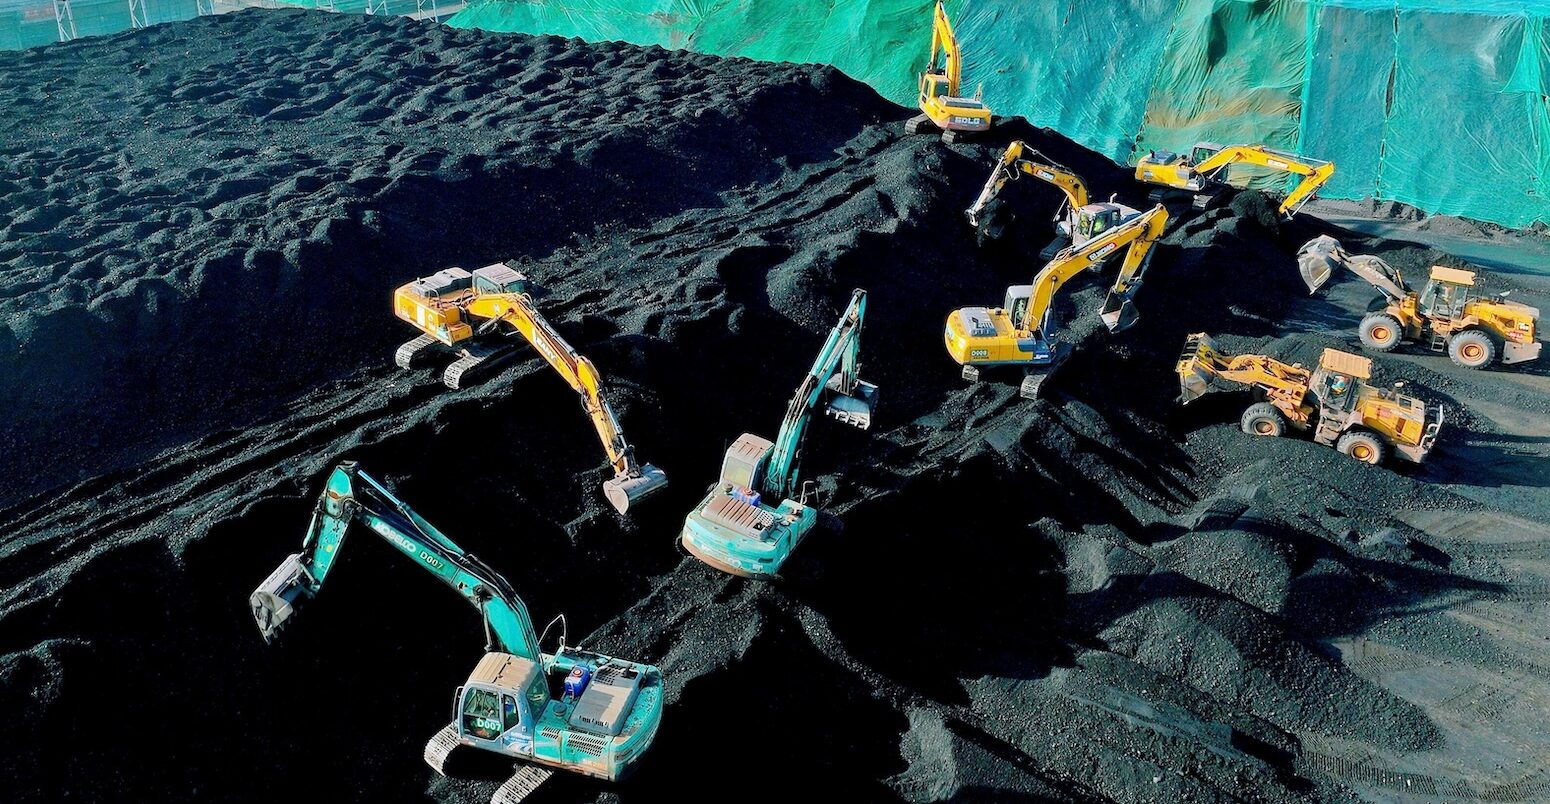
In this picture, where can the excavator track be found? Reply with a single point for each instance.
(476, 356)
(521, 784)
(409, 351)
(440, 747)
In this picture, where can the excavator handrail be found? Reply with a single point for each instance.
(838, 356)
(1139, 233)
(351, 496)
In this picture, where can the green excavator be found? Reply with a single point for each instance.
(748, 525)
(574, 710)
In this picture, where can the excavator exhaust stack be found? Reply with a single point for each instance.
(854, 407)
(1317, 260)
(275, 600)
(627, 489)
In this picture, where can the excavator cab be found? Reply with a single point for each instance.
(1095, 219)
(499, 278)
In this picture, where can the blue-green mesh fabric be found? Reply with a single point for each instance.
(1444, 104)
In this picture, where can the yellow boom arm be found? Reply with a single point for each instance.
(942, 39)
(631, 479)
(1203, 367)
(1140, 233)
(1314, 172)
(1013, 164)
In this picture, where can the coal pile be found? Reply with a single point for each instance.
(1094, 596)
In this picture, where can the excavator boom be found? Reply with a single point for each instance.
(834, 372)
(942, 38)
(1139, 233)
(632, 480)
(352, 496)
(1013, 164)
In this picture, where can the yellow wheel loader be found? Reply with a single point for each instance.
(942, 108)
(1333, 403)
(1019, 332)
(454, 309)
(1076, 222)
(1446, 314)
(1203, 172)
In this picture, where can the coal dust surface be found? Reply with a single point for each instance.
(1097, 595)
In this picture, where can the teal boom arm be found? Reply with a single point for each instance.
(835, 369)
(353, 496)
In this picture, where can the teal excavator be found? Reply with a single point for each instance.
(573, 710)
(748, 524)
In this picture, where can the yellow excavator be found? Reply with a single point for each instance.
(1204, 171)
(1076, 222)
(1019, 332)
(1446, 315)
(942, 108)
(1333, 403)
(454, 308)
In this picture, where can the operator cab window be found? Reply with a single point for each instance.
(481, 714)
(509, 718)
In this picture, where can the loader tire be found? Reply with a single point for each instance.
(1471, 348)
(1380, 332)
(1262, 419)
(1362, 446)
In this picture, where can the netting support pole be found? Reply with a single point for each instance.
(419, 10)
(64, 18)
(204, 8)
(375, 7)
(137, 13)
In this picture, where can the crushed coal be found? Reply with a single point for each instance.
(1097, 595)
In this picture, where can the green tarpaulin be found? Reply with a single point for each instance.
(1442, 104)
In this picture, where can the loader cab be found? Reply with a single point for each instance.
(1447, 291)
(1339, 379)
(501, 703)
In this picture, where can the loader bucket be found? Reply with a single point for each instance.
(1317, 260)
(854, 408)
(1195, 381)
(275, 600)
(626, 490)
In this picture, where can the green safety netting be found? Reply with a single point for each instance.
(1443, 104)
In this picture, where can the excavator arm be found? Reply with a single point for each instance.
(353, 497)
(1140, 233)
(834, 373)
(1014, 164)
(1314, 172)
(942, 39)
(632, 480)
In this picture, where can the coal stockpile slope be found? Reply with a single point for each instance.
(1092, 596)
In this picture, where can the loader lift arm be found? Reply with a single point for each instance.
(1202, 169)
(1013, 164)
(632, 480)
(351, 496)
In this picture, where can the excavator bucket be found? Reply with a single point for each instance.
(1118, 312)
(1195, 381)
(627, 489)
(1317, 260)
(854, 408)
(275, 600)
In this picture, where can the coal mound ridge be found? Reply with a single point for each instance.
(1095, 596)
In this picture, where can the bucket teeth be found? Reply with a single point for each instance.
(854, 407)
(275, 600)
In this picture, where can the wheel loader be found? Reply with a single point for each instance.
(1333, 403)
(1446, 314)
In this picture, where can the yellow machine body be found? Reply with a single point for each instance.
(940, 93)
